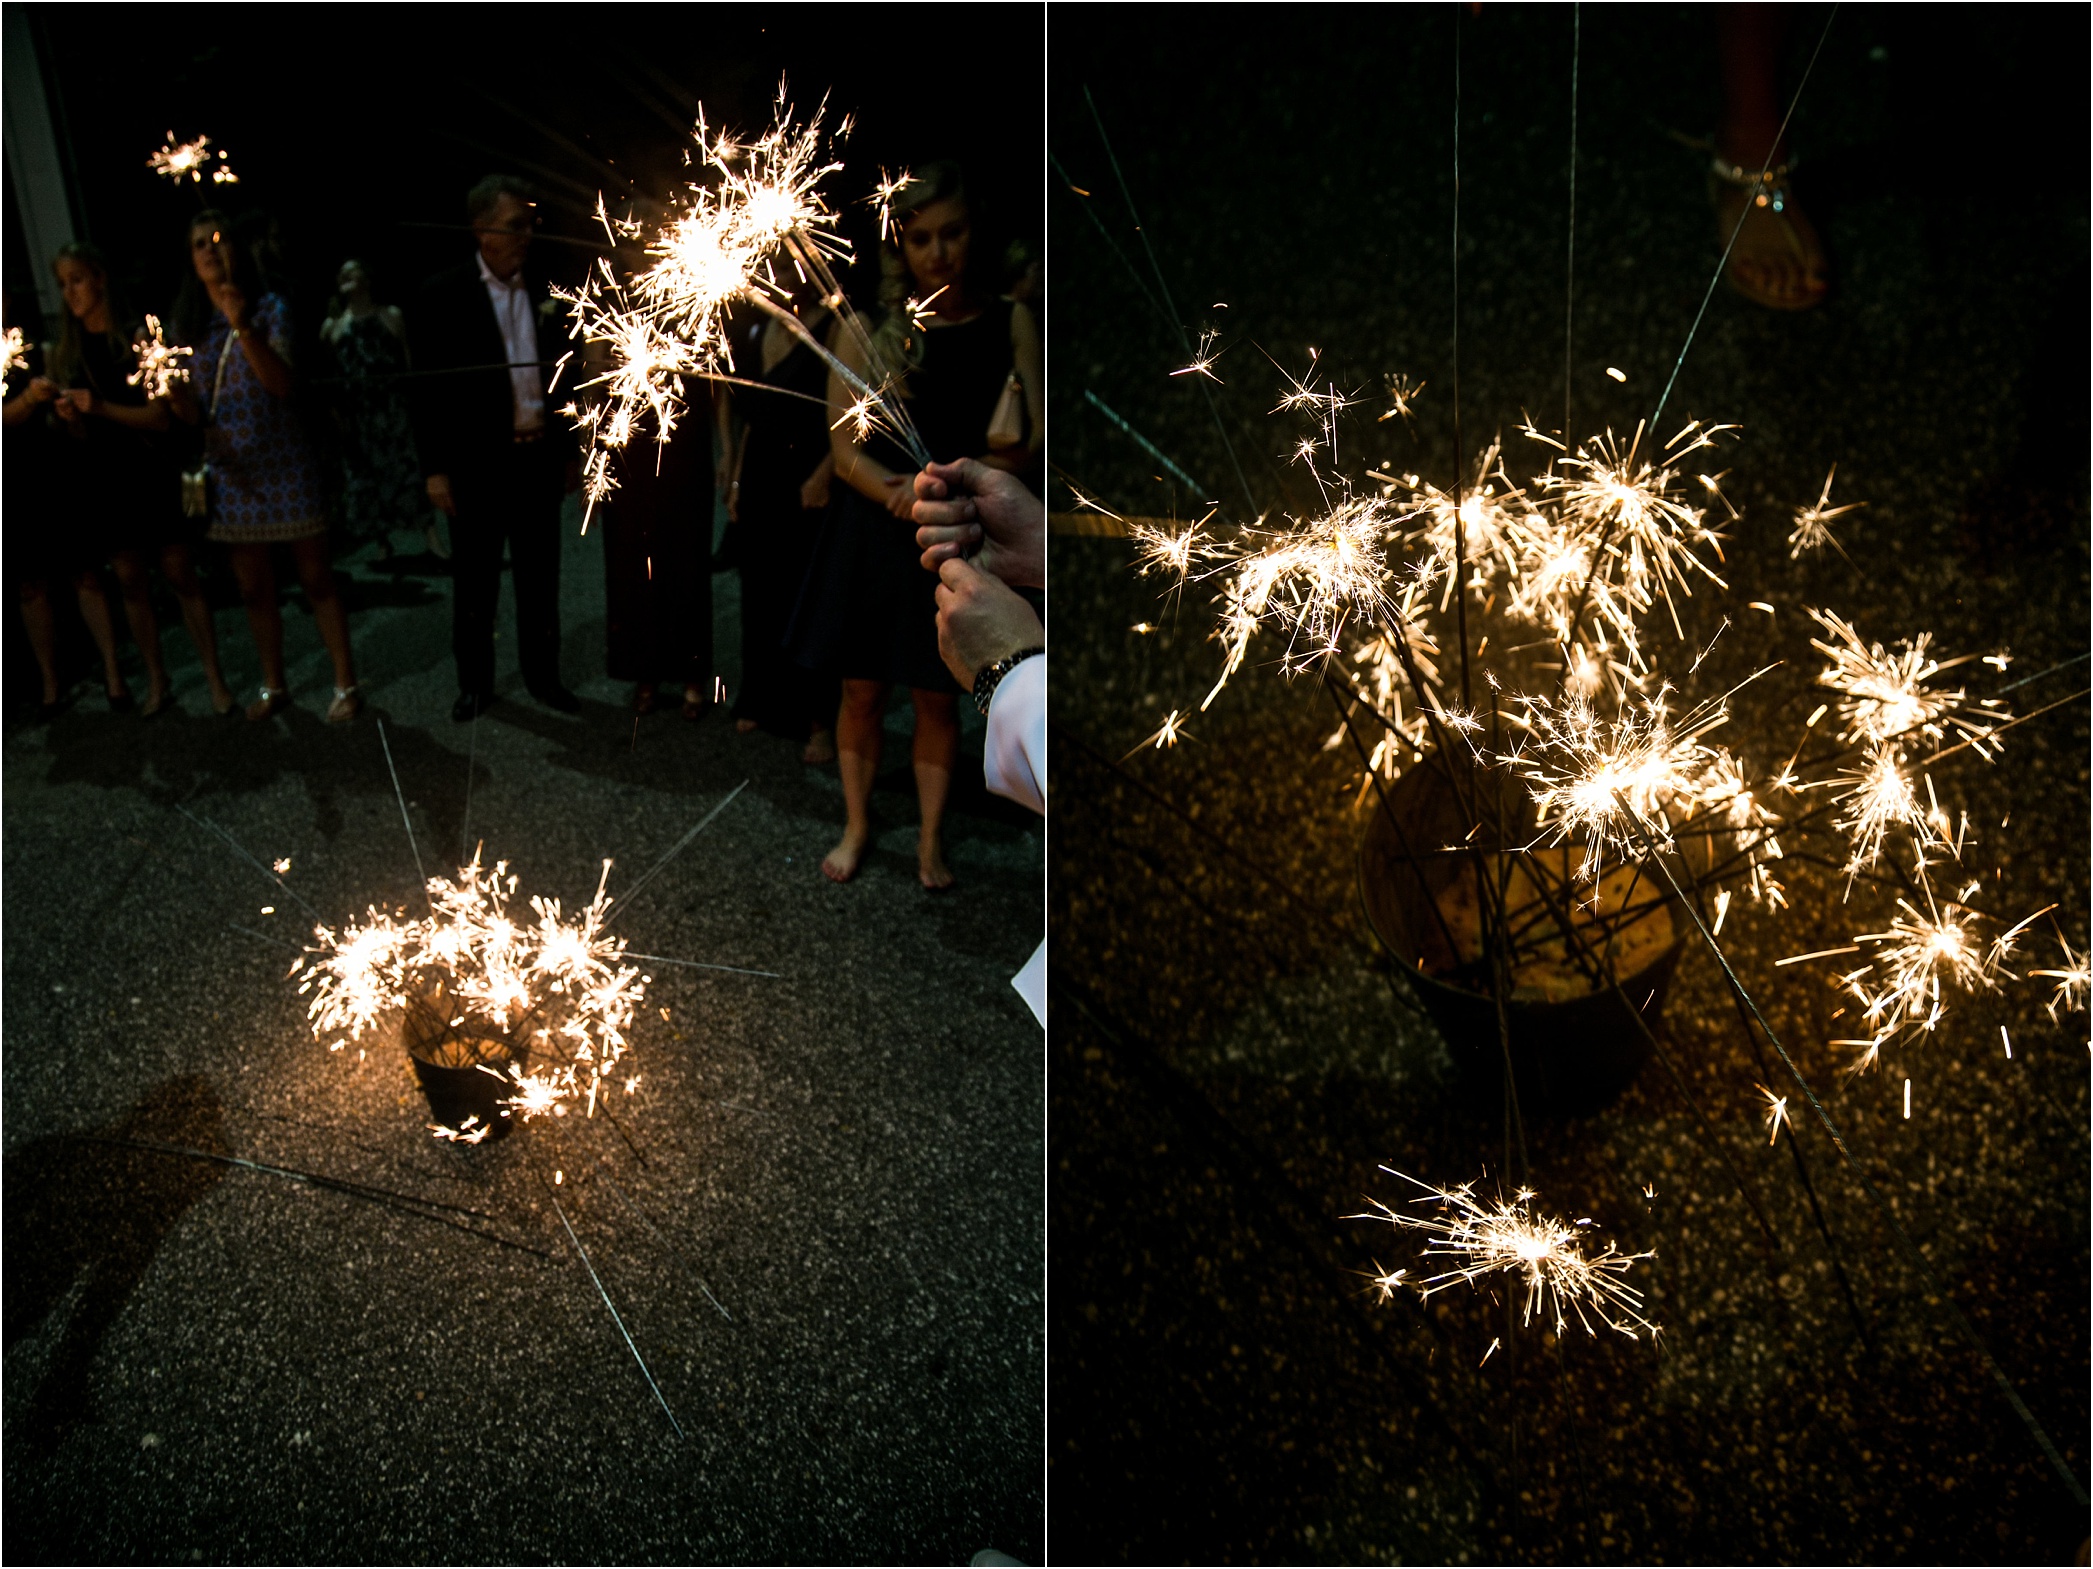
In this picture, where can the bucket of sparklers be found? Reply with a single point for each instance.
(1432, 861)
(466, 1080)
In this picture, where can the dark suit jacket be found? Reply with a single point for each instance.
(464, 420)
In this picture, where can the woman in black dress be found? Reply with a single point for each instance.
(382, 490)
(657, 563)
(869, 612)
(777, 489)
(115, 485)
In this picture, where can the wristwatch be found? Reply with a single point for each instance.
(986, 682)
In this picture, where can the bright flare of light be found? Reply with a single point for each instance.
(1813, 523)
(1885, 695)
(191, 161)
(159, 362)
(546, 1002)
(1547, 1254)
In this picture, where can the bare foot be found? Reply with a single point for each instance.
(841, 863)
(820, 748)
(155, 700)
(931, 869)
(222, 699)
(744, 726)
(1778, 260)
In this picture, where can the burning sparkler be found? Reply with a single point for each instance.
(192, 161)
(1899, 990)
(16, 357)
(2073, 981)
(1813, 523)
(1500, 1237)
(159, 362)
(758, 230)
(544, 1003)
(1885, 696)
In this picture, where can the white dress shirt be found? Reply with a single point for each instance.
(1014, 762)
(519, 336)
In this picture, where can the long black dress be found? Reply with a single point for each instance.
(869, 610)
(381, 475)
(787, 440)
(657, 555)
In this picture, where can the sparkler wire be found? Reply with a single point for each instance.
(1163, 284)
(1916, 1258)
(1147, 446)
(693, 964)
(583, 1253)
(2038, 675)
(362, 1190)
(1569, 320)
(239, 850)
(401, 796)
(648, 1221)
(1741, 217)
(1105, 234)
(625, 899)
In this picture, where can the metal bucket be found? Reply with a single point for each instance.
(463, 1095)
(1570, 1054)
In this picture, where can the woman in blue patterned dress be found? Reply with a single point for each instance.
(264, 484)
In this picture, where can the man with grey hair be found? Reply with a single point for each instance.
(496, 458)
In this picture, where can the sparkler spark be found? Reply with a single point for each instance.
(1776, 1112)
(722, 243)
(544, 1004)
(16, 357)
(1506, 1237)
(1203, 359)
(191, 161)
(1885, 696)
(1899, 989)
(1812, 523)
(2073, 981)
(159, 362)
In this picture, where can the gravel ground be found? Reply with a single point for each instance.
(819, 1215)
(1231, 1058)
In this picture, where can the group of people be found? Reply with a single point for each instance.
(448, 407)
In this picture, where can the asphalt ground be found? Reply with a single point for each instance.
(1232, 1058)
(818, 1216)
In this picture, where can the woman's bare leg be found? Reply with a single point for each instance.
(42, 625)
(137, 590)
(327, 609)
(859, 726)
(94, 610)
(935, 750)
(264, 616)
(196, 616)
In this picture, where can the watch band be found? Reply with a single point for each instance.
(990, 676)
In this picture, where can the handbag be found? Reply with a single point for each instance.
(196, 482)
(1006, 427)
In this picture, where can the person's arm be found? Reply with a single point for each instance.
(871, 479)
(1030, 360)
(1013, 755)
(814, 489)
(264, 358)
(150, 416)
(40, 391)
(979, 622)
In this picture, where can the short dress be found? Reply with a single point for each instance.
(868, 610)
(114, 488)
(265, 477)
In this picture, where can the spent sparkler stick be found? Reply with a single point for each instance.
(1547, 1255)
(630, 1344)
(1911, 1251)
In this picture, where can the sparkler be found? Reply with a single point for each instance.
(1899, 989)
(159, 362)
(473, 985)
(191, 161)
(2072, 981)
(1813, 523)
(16, 358)
(760, 228)
(1507, 1237)
(1886, 696)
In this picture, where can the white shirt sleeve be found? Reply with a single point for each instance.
(1014, 756)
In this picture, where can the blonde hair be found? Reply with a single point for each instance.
(895, 341)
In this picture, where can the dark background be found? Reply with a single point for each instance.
(347, 123)
(1230, 1058)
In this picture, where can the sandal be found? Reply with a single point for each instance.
(270, 703)
(347, 704)
(693, 707)
(1749, 205)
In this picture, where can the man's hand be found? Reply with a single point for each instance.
(958, 504)
(439, 488)
(979, 621)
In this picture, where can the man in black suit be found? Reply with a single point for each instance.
(496, 457)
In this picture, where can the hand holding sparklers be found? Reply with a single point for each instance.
(966, 504)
